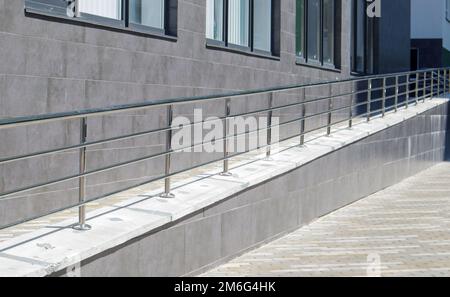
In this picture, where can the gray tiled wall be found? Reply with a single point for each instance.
(48, 66)
(53, 66)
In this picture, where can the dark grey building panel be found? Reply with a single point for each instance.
(50, 64)
(394, 31)
(429, 52)
(146, 67)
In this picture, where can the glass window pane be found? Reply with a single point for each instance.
(147, 12)
(214, 19)
(105, 8)
(300, 28)
(360, 35)
(262, 24)
(328, 31)
(238, 22)
(314, 30)
(50, 6)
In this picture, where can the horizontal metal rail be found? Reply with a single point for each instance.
(17, 121)
(403, 88)
(160, 130)
(163, 154)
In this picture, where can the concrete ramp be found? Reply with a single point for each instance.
(217, 218)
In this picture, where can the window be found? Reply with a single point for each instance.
(104, 8)
(238, 22)
(147, 13)
(448, 10)
(315, 31)
(328, 32)
(137, 15)
(362, 38)
(300, 29)
(214, 19)
(359, 37)
(262, 25)
(241, 24)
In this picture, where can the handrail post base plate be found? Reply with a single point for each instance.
(167, 196)
(82, 227)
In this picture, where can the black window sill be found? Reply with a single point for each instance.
(99, 23)
(217, 45)
(317, 65)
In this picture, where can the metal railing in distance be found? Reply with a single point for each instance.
(364, 97)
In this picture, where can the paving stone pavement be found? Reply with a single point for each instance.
(403, 230)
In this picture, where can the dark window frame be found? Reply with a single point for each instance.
(303, 59)
(240, 48)
(59, 10)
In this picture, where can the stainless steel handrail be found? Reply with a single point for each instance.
(166, 129)
(417, 85)
(17, 121)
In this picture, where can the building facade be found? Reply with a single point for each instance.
(430, 33)
(65, 55)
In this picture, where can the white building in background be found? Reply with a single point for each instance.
(430, 33)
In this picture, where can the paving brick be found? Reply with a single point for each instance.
(400, 231)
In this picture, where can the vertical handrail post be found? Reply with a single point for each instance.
(226, 165)
(444, 81)
(444, 73)
(448, 85)
(167, 193)
(82, 226)
(438, 82)
(269, 125)
(369, 99)
(446, 77)
(383, 100)
(424, 93)
(396, 94)
(447, 82)
(448, 70)
(432, 85)
(444, 84)
(350, 108)
(417, 87)
(407, 91)
(303, 121)
(330, 108)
